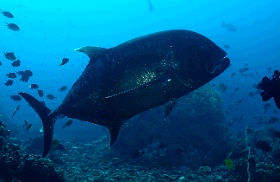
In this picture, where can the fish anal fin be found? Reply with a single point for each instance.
(277, 101)
(169, 107)
(91, 51)
(114, 132)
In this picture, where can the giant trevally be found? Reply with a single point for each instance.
(143, 73)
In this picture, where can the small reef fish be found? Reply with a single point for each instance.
(40, 93)
(9, 82)
(11, 75)
(26, 125)
(34, 86)
(63, 88)
(64, 61)
(16, 97)
(16, 63)
(68, 123)
(25, 75)
(12, 26)
(229, 27)
(51, 97)
(7, 14)
(10, 56)
(15, 111)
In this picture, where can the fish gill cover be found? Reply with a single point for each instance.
(188, 139)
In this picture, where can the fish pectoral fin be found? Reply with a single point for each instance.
(114, 132)
(91, 51)
(277, 101)
(169, 107)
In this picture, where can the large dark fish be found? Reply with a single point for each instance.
(133, 77)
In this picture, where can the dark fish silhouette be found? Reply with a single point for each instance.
(51, 97)
(242, 70)
(0, 63)
(135, 76)
(25, 75)
(40, 93)
(226, 46)
(11, 75)
(63, 88)
(229, 27)
(10, 56)
(9, 82)
(271, 88)
(7, 14)
(12, 26)
(16, 63)
(26, 125)
(16, 97)
(68, 123)
(15, 111)
(33, 86)
(64, 61)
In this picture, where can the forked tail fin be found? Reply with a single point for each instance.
(48, 120)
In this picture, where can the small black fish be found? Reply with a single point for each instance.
(11, 75)
(51, 97)
(16, 97)
(56, 145)
(40, 93)
(236, 89)
(12, 26)
(7, 14)
(9, 82)
(271, 88)
(64, 61)
(34, 86)
(25, 75)
(28, 127)
(232, 75)
(16, 63)
(229, 27)
(223, 87)
(68, 123)
(15, 111)
(10, 56)
(226, 46)
(63, 88)
(0, 63)
(242, 70)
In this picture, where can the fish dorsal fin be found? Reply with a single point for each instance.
(114, 132)
(169, 107)
(91, 51)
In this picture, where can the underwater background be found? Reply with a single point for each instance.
(198, 140)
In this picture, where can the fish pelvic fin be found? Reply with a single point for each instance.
(48, 120)
(91, 51)
(114, 132)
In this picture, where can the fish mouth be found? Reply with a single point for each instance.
(219, 66)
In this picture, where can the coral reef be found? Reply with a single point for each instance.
(16, 166)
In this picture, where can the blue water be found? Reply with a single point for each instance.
(51, 30)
